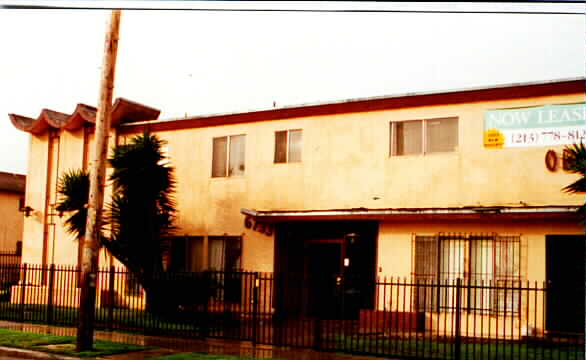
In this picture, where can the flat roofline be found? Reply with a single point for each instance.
(480, 212)
(352, 101)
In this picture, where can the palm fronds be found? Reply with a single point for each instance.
(142, 211)
(575, 162)
(73, 189)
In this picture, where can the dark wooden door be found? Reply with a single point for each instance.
(324, 267)
(565, 280)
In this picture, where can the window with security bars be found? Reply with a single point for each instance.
(224, 256)
(488, 264)
(423, 136)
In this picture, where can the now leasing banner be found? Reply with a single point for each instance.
(537, 126)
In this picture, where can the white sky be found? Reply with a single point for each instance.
(187, 62)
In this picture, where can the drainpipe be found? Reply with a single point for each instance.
(58, 139)
(45, 254)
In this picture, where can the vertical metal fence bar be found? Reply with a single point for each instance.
(504, 318)
(458, 339)
(255, 307)
(543, 351)
(392, 317)
(401, 313)
(111, 297)
(415, 313)
(23, 291)
(50, 294)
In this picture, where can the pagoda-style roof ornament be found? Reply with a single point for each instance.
(123, 111)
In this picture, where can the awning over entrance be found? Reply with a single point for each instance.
(550, 212)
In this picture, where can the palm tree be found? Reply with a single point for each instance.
(575, 158)
(73, 189)
(142, 211)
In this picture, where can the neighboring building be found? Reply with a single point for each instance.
(432, 186)
(12, 192)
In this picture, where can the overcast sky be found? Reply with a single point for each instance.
(193, 62)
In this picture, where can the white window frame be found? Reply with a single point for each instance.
(227, 159)
(491, 298)
(424, 148)
(288, 146)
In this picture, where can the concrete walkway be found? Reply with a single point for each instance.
(169, 345)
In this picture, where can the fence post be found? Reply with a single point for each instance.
(458, 340)
(210, 289)
(22, 291)
(50, 294)
(111, 297)
(317, 333)
(255, 298)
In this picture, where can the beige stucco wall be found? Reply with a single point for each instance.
(11, 221)
(395, 265)
(32, 246)
(42, 195)
(394, 256)
(345, 164)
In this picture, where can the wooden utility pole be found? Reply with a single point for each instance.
(91, 248)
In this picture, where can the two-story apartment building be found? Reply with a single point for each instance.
(433, 186)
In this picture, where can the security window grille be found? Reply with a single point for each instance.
(224, 253)
(224, 256)
(423, 136)
(228, 155)
(288, 146)
(488, 264)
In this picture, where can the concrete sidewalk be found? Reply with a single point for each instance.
(169, 345)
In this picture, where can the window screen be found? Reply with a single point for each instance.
(288, 146)
(237, 155)
(441, 135)
(281, 146)
(220, 152)
(408, 137)
(295, 145)
(228, 156)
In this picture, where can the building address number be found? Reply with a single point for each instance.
(259, 226)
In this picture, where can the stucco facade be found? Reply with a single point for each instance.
(347, 173)
(12, 192)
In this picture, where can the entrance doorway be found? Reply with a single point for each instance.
(325, 269)
(565, 280)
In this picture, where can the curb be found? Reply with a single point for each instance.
(30, 354)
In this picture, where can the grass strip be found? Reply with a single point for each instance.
(202, 356)
(63, 345)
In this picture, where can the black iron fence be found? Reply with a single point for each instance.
(389, 317)
(11, 257)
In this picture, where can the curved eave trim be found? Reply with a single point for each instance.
(82, 114)
(123, 110)
(477, 213)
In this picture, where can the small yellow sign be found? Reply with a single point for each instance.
(494, 139)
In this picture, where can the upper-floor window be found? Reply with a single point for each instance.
(424, 136)
(288, 146)
(228, 156)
